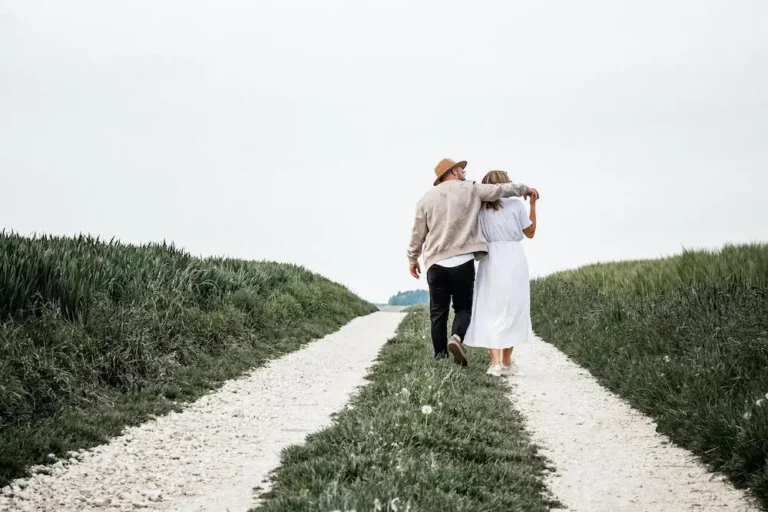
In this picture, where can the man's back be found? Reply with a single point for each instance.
(451, 211)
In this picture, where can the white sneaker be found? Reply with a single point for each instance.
(509, 370)
(457, 351)
(494, 370)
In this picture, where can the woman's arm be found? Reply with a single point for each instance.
(531, 230)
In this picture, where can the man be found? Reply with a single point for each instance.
(446, 234)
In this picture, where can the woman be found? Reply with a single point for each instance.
(501, 309)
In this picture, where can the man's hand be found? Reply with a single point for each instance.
(415, 269)
(532, 193)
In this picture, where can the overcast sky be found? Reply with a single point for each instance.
(306, 131)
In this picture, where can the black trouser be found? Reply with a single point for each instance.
(446, 284)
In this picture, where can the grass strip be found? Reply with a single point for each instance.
(422, 435)
(98, 336)
(683, 339)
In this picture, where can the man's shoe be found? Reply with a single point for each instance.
(457, 350)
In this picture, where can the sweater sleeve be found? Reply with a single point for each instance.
(495, 192)
(418, 234)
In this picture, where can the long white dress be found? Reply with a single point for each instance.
(501, 309)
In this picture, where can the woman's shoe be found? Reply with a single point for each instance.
(494, 370)
(509, 370)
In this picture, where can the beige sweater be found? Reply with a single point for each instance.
(446, 220)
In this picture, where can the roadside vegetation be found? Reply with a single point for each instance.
(683, 339)
(97, 336)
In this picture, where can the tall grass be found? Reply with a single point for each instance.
(94, 336)
(684, 339)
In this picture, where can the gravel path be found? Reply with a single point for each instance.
(210, 456)
(392, 309)
(608, 456)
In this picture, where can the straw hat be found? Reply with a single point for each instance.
(445, 166)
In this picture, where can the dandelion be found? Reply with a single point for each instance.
(760, 402)
(747, 415)
(667, 359)
(426, 410)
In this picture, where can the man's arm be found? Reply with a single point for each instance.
(418, 236)
(495, 192)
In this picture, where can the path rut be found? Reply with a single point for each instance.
(608, 456)
(210, 456)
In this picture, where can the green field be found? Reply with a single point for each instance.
(97, 336)
(422, 435)
(683, 339)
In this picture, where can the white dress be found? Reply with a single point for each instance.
(501, 308)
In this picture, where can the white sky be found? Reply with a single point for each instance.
(305, 131)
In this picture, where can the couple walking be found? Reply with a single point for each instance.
(458, 222)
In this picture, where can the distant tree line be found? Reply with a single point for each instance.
(409, 298)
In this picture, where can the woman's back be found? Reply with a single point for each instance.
(505, 224)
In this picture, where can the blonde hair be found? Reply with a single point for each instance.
(495, 178)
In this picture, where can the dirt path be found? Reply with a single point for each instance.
(608, 456)
(210, 456)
